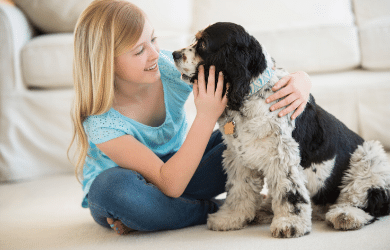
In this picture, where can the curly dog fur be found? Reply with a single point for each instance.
(311, 163)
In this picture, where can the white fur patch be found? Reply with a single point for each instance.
(369, 169)
(317, 175)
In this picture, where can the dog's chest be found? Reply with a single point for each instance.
(236, 126)
(253, 131)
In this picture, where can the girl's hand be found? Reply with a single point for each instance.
(209, 101)
(296, 89)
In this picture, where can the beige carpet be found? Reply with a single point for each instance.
(46, 214)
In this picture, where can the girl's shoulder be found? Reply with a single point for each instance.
(104, 127)
(107, 119)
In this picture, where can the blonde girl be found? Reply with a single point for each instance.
(139, 170)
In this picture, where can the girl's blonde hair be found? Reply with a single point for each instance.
(105, 30)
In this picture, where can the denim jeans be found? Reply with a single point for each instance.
(124, 195)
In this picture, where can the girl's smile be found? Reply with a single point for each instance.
(153, 68)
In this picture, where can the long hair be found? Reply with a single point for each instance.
(104, 30)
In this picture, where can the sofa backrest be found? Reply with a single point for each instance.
(309, 35)
(373, 20)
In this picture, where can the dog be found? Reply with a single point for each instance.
(311, 164)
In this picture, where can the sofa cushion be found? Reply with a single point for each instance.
(293, 31)
(171, 19)
(173, 15)
(52, 16)
(273, 15)
(46, 61)
(375, 44)
(359, 98)
(373, 19)
(368, 11)
(313, 49)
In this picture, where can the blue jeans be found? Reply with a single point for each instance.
(124, 195)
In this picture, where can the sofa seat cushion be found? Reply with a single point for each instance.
(47, 61)
(363, 97)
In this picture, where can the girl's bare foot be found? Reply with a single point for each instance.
(119, 227)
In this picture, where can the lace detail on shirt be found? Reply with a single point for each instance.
(102, 128)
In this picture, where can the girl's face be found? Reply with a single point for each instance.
(139, 64)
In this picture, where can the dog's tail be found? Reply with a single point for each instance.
(373, 169)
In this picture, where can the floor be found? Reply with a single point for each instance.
(46, 214)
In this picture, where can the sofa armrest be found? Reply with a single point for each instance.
(15, 31)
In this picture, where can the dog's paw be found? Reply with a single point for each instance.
(348, 218)
(221, 221)
(290, 227)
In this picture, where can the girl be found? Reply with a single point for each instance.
(139, 171)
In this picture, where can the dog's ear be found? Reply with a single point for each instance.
(257, 63)
(221, 65)
(238, 67)
(239, 64)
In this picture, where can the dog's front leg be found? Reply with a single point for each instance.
(290, 204)
(243, 196)
(290, 197)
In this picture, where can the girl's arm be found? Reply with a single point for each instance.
(296, 89)
(173, 176)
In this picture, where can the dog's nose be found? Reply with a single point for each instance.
(176, 55)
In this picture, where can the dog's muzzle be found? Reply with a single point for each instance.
(177, 55)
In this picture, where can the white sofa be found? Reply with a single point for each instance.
(344, 45)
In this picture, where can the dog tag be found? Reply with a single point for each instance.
(229, 127)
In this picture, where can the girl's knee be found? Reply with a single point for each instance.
(109, 184)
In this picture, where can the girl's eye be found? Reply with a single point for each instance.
(143, 48)
(139, 53)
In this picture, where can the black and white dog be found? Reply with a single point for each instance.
(312, 163)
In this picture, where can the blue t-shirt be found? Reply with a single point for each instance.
(162, 140)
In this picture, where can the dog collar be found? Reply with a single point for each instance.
(263, 78)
